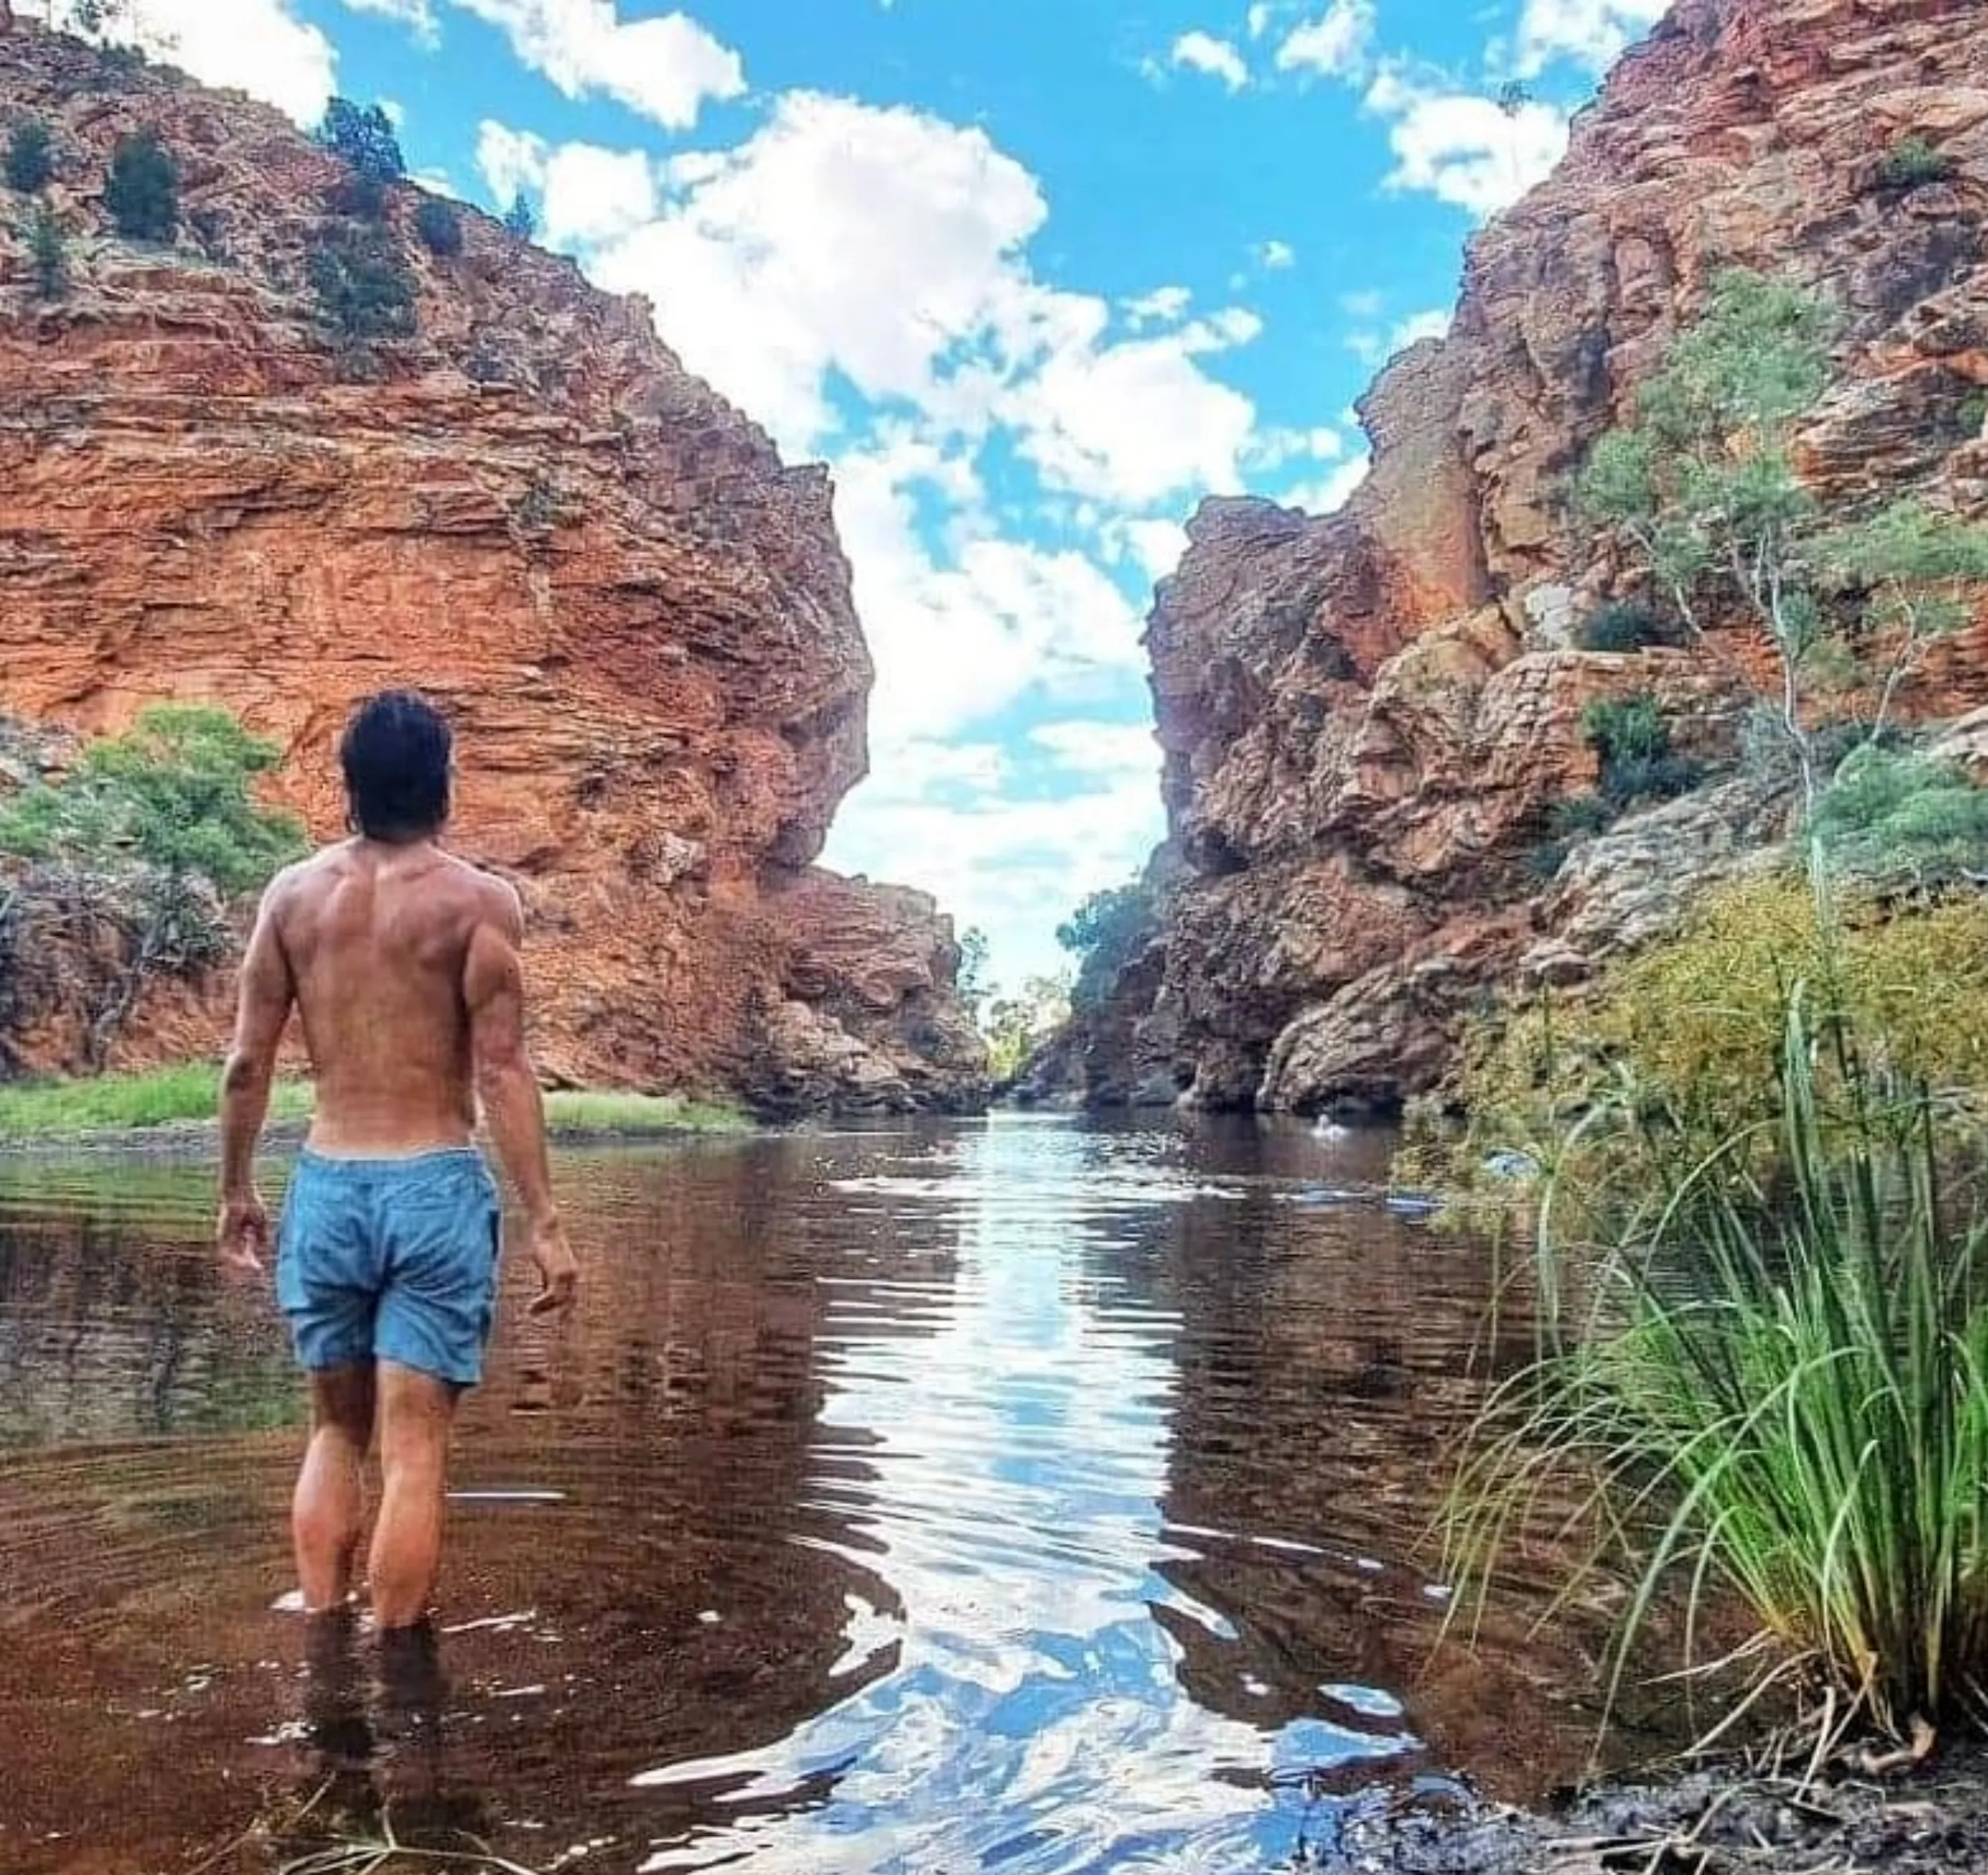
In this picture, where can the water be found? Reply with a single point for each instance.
(1018, 1497)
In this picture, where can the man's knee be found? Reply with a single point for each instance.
(417, 1411)
(344, 1400)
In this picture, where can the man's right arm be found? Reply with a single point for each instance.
(493, 993)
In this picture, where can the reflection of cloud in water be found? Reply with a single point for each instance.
(1036, 1719)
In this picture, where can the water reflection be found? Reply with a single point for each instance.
(1022, 1496)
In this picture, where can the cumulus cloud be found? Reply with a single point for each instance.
(1374, 348)
(1275, 255)
(1335, 44)
(417, 16)
(1472, 152)
(587, 194)
(258, 46)
(1593, 33)
(1330, 493)
(1203, 52)
(666, 68)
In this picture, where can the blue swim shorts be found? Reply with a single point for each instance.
(391, 1260)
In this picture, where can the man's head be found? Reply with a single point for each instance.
(395, 754)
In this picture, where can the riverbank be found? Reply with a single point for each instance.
(175, 1109)
(1733, 1816)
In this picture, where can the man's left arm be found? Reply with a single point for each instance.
(262, 1011)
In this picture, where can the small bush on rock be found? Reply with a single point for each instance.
(365, 294)
(439, 226)
(30, 161)
(143, 191)
(1912, 162)
(1626, 625)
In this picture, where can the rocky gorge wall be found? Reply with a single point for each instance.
(1366, 718)
(638, 618)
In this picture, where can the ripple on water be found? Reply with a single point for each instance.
(1016, 1496)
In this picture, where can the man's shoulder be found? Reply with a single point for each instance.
(493, 895)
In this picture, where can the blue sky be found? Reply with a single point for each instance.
(1034, 276)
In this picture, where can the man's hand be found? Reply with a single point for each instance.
(243, 1234)
(558, 1269)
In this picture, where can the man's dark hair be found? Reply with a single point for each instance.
(395, 754)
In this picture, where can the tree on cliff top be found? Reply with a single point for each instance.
(1104, 934)
(1703, 487)
(150, 836)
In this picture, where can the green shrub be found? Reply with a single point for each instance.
(1625, 624)
(1623, 728)
(1892, 818)
(141, 192)
(1912, 163)
(439, 226)
(1543, 862)
(30, 159)
(364, 292)
(1972, 415)
(1580, 816)
(521, 219)
(49, 252)
(1781, 1393)
(364, 198)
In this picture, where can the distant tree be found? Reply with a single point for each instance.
(49, 252)
(142, 190)
(30, 160)
(971, 983)
(1514, 97)
(439, 226)
(365, 137)
(521, 219)
(1016, 1026)
(1104, 934)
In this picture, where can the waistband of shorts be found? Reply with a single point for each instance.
(427, 1158)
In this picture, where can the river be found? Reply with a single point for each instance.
(1022, 1495)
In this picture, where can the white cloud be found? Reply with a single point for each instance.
(1334, 45)
(587, 194)
(417, 16)
(666, 68)
(257, 46)
(1275, 255)
(1464, 149)
(1260, 16)
(1202, 52)
(959, 637)
(1273, 449)
(1328, 495)
(1161, 307)
(1111, 751)
(1366, 304)
(1371, 348)
(1595, 32)
(883, 250)
(1152, 545)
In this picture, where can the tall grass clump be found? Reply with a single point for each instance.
(1778, 1394)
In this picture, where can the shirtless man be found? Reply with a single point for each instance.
(403, 964)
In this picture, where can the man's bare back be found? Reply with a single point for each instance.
(378, 942)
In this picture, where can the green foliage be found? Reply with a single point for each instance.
(521, 219)
(1692, 1029)
(1912, 163)
(439, 226)
(971, 983)
(141, 192)
(364, 292)
(30, 159)
(1580, 816)
(1104, 934)
(1781, 1391)
(365, 139)
(1632, 739)
(49, 252)
(1703, 485)
(1972, 415)
(121, 1103)
(172, 794)
(1896, 818)
(1017, 1026)
(1625, 624)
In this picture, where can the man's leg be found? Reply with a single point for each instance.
(327, 1514)
(417, 1413)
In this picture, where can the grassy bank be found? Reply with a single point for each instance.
(187, 1097)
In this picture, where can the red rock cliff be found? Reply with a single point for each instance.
(639, 619)
(1367, 717)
